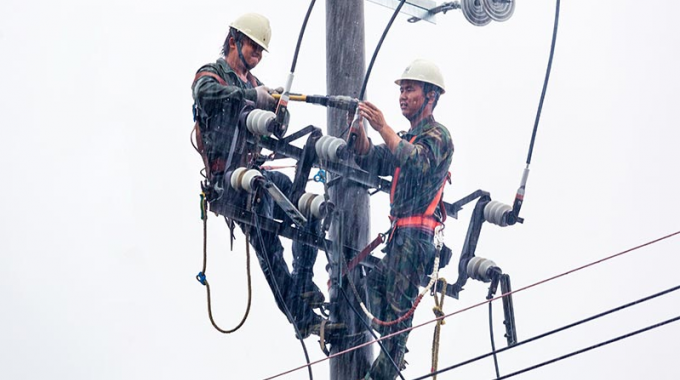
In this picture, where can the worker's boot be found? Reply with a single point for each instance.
(309, 292)
(304, 258)
(320, 326)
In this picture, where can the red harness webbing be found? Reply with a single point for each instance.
(425, 220)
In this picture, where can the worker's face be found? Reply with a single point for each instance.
(252, 52)
(411, 98)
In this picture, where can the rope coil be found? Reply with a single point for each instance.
(201, 276)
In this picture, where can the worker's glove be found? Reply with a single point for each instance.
(278, 90)
(264, 100)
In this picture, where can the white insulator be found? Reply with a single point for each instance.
(334, 147)
(478, 269)
(304, 202)
(248, 180)
(474, 12)
(499, 10)
(327, 147)
(319, 146)
(311, 204)
(258, 120)
(315, 208)
(494, 212)
(235, 180)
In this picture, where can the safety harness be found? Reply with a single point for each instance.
(425, 221)
(218, 165)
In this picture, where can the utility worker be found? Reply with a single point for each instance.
(418, 161)
(220, 91)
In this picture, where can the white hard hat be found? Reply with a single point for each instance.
(254, 26)
(423, 70)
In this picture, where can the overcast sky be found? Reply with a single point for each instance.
(100, 231)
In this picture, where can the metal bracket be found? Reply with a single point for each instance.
(417, 9)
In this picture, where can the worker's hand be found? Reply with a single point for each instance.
(373, 115)
(278, 90)
(361, 143)
(264, 100)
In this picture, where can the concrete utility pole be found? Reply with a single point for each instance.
(345, 70)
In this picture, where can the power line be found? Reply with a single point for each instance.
(560, 329)
(483, 303)
(675, 319)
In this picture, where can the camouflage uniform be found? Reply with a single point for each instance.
(217, 108)
(394, 283)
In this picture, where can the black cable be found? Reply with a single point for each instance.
(375, 54)
(302, 32)
(545, 82)
(370, 330)
(360, 316)
(278, 292)
(619, 308)
(493, 343)
(621, 337)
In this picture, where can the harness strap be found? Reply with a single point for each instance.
(395, 176)
(364, 253)
(424, 221)
(219, 164)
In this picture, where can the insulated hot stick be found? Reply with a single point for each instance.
(342, 102)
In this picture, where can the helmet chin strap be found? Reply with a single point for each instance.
(420, 111)
(240, 53)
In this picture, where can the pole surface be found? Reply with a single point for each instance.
(345, 69)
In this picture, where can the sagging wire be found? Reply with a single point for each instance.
(493, 343)
(281, 109)
(560, 329)
(519, 197)
(621, 337)
(497, 298)
(367, 326)
(278, 294)
(282, 105)
(375, 54)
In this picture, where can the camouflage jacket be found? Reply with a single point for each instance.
(217, 108)
(424, 166)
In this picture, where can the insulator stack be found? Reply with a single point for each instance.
(259, 122)
(499, 10)
(331, 148)
(243, 179)
(474, 12)
(495, 213)
(312, 204)
(479, 269)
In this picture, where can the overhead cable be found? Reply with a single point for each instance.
(560, 329)
(487, 301)
(675, 319)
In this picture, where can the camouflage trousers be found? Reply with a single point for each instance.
(392, 287)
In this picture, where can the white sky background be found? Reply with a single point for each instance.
(100, 236)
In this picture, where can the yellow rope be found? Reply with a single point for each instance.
(438, 310)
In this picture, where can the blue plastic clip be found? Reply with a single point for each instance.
(201, 277)
(320, 176)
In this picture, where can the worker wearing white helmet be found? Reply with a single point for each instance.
(221, 90)
(419, 161)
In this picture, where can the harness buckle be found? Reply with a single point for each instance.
(439, 237)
